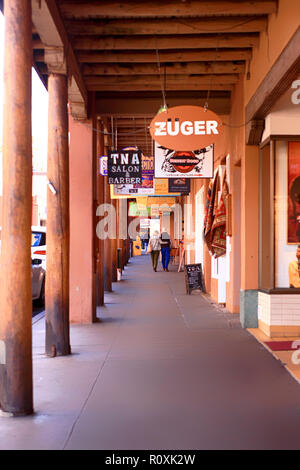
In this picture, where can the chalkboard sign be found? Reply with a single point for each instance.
(194, 277)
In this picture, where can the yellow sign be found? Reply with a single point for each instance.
(170, 201)
(142, 200)
(137, 247)
(161, 185)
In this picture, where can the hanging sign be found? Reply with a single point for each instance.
(179, 185)
(103, 165)
(124, 167)
(170, 201)
(174, 164)
(145, 187)
(162, 188)
(186, 128)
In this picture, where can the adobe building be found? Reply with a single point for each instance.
(107, 67)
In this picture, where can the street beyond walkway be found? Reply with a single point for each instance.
(162, 370)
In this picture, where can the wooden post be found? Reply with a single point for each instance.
(128, 238)
(58, 246)
(124, 253)
(107, 246)
(107, 200)
(115, 243)
(15, 284)
(100, 200)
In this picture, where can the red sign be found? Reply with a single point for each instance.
(186, 128)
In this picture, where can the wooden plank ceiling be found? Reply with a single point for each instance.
(193, 48)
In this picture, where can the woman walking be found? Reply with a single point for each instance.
(154, 249)
(165, 243)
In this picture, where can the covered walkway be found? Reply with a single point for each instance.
(162, 370)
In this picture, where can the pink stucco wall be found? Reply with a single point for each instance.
(81, 222)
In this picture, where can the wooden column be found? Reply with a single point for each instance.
(124, 253)
(100, 200)
(15, 283)
(118, 241)
(108, 241)
(58, 246)
(128, 238)
(115, 245)
(107, 246)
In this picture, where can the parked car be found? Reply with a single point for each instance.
(38, 244)
(38, 274)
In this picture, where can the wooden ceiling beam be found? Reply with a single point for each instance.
(110, 43)
(140, 105)
(193, 86)
(128, 130)
(48, 23)
(141, 83)
(139, 137)
(38, 56)
(164, 56)
(127, 123)
(153, 8)
(229, 78)
(124, 141)
(175, 69)
(158, 26)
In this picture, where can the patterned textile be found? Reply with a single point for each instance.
(212, 198)
(218, 230)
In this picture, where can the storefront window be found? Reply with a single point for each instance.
(287, 210)
(279, 263)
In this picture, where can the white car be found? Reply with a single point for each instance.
(38, 244)
(38, 274)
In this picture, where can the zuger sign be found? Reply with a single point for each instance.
(186, 128)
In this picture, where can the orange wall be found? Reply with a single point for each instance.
(281, 28)
(250, 218)
(236, 151)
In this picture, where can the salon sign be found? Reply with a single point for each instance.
(186, 128)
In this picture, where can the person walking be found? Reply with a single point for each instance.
(154, 249)
(146, 239)
(165, 243)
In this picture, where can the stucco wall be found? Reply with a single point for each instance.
(81, 222)
(282, 26)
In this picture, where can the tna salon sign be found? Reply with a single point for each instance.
(186, 128)
(124, 167)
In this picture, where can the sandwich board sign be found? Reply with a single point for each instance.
(194, 277)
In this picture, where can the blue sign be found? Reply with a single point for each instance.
(103, 165)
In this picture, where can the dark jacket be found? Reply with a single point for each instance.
(165, 241)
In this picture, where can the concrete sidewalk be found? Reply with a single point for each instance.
(162, 370)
